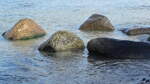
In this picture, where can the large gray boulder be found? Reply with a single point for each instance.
(136, 31)
(62, 41)
(97, 22)
(24, 29)
(118, 49)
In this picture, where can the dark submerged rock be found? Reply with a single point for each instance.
(64, 54)
(144, 81)
(136, 31)
(148, 39)
(23, 30)
(107, 48)
(97, 22)
(62, 41)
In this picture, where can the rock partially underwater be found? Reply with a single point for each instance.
(62, 41)
(23, 30)
(107, 48)
(136, 31)
(97, 22)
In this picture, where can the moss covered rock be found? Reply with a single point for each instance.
(62, 41)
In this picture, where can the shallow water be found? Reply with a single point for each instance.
(22, 63)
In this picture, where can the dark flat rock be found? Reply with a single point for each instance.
(118, 49)
(136, 31)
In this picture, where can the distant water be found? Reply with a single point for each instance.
(22, 63)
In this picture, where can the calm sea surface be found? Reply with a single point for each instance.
(22, 63)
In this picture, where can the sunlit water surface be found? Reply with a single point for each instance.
(22, 63)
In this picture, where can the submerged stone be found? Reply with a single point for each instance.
(136, 31)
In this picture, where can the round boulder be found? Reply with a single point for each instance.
(118, 49)
(97, 22)
(24, 29)
(62, 41)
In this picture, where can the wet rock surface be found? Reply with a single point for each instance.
(118, 49)
(97, 22)
(23, 30)
(62, 41)
(136, 31)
